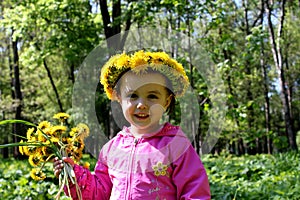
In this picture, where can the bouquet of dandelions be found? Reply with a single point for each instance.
(45, 141)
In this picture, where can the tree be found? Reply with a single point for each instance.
(277, 50)
(51, 39)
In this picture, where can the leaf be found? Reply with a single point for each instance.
(21, 144)
(15, 121)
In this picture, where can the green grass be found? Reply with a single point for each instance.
(254, 177)
(231, 177)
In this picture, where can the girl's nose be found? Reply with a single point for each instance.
(141, 104)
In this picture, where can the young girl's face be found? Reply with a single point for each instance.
(144, 99)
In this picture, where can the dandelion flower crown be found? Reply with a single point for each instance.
(139, 63)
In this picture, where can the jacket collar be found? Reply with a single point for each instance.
(167, 130)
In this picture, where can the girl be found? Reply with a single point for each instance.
(147, 160)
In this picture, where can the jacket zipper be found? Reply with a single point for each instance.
(130, 169)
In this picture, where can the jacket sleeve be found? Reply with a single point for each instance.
(96, 185)
(190, 177)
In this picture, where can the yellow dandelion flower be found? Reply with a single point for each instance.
(58, 130)
(175, 65)
(74, 131)
(25, 150)
(158, 57)
(30, 149)
(47, 131)
(61, 116)
(118, 62)
(39, 150)
(109, 92)
(76, 156)
(46, 143)
(122, 61)
(44, 124)
(69, 140)
(77, 145)
(37, 174)
(139, 59)
(46, 151)
(30, 133)
(41, 136)
(54, 140)
(83, 130)
(21, 148)
(64, 139)
(86, 165)
(34, 160)
(114, 58)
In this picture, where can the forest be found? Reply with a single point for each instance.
(242, 59)
(253, 46)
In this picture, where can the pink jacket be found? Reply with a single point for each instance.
(161, 166)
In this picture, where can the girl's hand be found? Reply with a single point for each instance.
(58, 165)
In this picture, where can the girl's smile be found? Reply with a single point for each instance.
(141, 116)
(144, 99)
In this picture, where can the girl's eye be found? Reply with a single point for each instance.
(152, 96)
(132, 96)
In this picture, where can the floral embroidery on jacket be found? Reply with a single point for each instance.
(160, 169)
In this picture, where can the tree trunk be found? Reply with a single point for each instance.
(17, 94)
(72, 77)
(72, 70)
(267, 148)
(241, 147)
(194, 129)
(113, 28)
(278, 60)
(53, 86)
(267, 139)
(4, 150)
(290, 91)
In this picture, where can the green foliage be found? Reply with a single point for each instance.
(16, 183)
(246, 177)
(254, 177)
(62, 33)
(56, 34)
